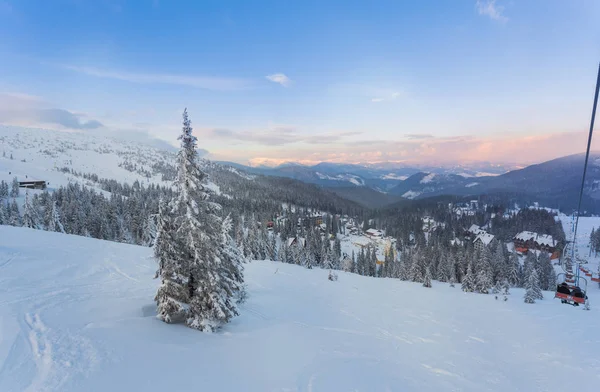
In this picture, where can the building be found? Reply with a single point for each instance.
(373, 233)
(483, 240)
(474, 231)
(526, 240)
(33, 184)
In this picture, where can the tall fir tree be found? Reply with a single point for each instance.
(427, 279)
(533, 291)
(207, 260)
(173, 295)
(468, 282)
(30, 215)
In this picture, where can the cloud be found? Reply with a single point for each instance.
(490, 9)
(418, 136)
(504, 148)
(280, 78)
(388, 97)
(28, 110)
(276, 135)
(65, 118)
(202, 82)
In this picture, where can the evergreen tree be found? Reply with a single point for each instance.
(533, 290)
(207, 261)
(513, 270)
(497, 289)
(54, 223)
(483, 282)
(30, 215)
(14, 192)
(468, 282)
(3, 190)
(546, 272)
(3, 217)
(427, 279)
(173, 295)
(505, 287)
(417, 272)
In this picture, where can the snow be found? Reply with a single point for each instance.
(484, 237)
(342, 177)
(472, 184)
(392, 176)
(428, 178)
(77, 314)
(46, 151)
(411, 194)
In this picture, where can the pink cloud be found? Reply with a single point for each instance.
(511, 148)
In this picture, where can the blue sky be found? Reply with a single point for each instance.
(345, 81)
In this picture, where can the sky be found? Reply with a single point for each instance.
(265, 82)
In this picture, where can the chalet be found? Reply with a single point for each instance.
(373, 233)
(474, 231)
(33, 184)
(483, 240)
(526, 240)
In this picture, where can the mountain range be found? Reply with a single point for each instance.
(554, 183)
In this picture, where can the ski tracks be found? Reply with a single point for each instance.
(41, 350)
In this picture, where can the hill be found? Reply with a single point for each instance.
(554, 183)
(77, 314)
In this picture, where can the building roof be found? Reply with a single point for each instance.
(485, 238)
(542, 239)
(476, 229)
(374, 232)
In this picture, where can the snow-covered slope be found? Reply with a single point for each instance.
(77, 314)
(42, 153)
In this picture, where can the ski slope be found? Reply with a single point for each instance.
(77, 314)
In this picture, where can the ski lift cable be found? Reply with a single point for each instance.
(587, 155)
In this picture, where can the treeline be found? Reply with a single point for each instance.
(76, 209)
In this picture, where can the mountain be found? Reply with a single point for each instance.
(61, 158)
(555, 183)
(382, 177)
(78, 315)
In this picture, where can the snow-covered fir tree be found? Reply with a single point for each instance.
(54, 224)
(427, 279)
(200, 253)
(533, 291)
(30, 215)
(469, 280)
(174, 293)
(14, 192)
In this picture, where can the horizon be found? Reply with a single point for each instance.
(265, 84)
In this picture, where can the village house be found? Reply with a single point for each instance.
(528, 240)
(373, 233)
(474, 231)
(32, 184)
(483, 240)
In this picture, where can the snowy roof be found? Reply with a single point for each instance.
(475, 229)
(485, 238)
(542, 239)
(374, 232)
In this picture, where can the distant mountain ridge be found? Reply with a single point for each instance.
(382, 177)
